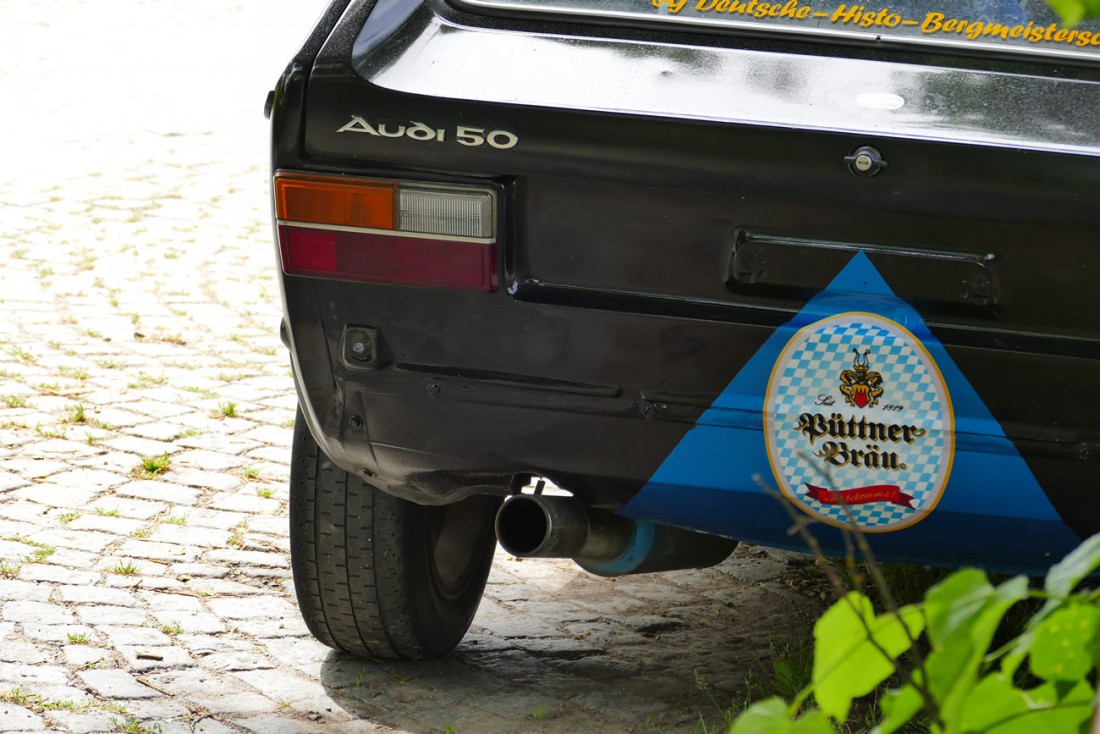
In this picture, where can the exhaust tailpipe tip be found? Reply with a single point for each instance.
(537, 526)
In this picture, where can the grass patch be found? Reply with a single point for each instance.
(176, 339)
(186, 433)
(22, 355)
(125, 568)
(76, 414)
(172, 629)
(79, 638)
(39, 555)
(38, 704)
(68, 517)
(49, 432)
(41, 552)
(74, 373)
(228, 409)
(236, 538)
(144, 379)
(133, 725)
(10, 570)
(152, 467)
(14, 401)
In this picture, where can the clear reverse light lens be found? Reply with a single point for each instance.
(452, 213)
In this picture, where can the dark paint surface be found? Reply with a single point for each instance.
(647, 164)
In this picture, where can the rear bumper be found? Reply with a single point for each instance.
(470, 390)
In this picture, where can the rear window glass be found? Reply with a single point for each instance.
(1024, 25)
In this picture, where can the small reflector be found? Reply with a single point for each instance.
(454, 213)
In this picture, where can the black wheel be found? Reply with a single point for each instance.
(376, 575)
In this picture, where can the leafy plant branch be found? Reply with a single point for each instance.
(857, 604)
(1043, 680)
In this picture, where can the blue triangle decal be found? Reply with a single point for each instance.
(854, 412)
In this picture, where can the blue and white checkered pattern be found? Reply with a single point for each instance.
(812, 365)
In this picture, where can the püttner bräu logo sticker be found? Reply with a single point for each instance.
(858, 420)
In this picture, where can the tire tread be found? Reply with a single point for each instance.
(351, 550)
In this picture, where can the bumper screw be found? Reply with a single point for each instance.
(356, 422)
(360, 351)
(649, 411)
(432, 389)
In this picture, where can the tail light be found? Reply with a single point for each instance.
(387, 231)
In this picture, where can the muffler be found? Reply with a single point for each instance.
(601, 542)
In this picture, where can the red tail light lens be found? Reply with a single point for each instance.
(387, 259)
(387, 232)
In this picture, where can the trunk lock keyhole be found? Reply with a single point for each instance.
(865, 161)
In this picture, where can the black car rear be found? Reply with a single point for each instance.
(526, 243)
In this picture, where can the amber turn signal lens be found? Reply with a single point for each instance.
(337, 201)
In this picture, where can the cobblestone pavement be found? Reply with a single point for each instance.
(145, 413)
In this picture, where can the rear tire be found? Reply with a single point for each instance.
(376, 575)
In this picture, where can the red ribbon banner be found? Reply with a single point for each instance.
(861, 495)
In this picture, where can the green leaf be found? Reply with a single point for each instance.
(1063, 645)
(771, 716)
(846, 663)
(812, 722)
(995, 706)
(1073, 12)
(899, 706)
(963, 612)
(1061, 580)
(1064, 576)
(1066, 710)
(994, 700)
(953, 601)
(956, 603)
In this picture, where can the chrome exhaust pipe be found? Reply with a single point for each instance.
(601, 542)
(537, 526)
